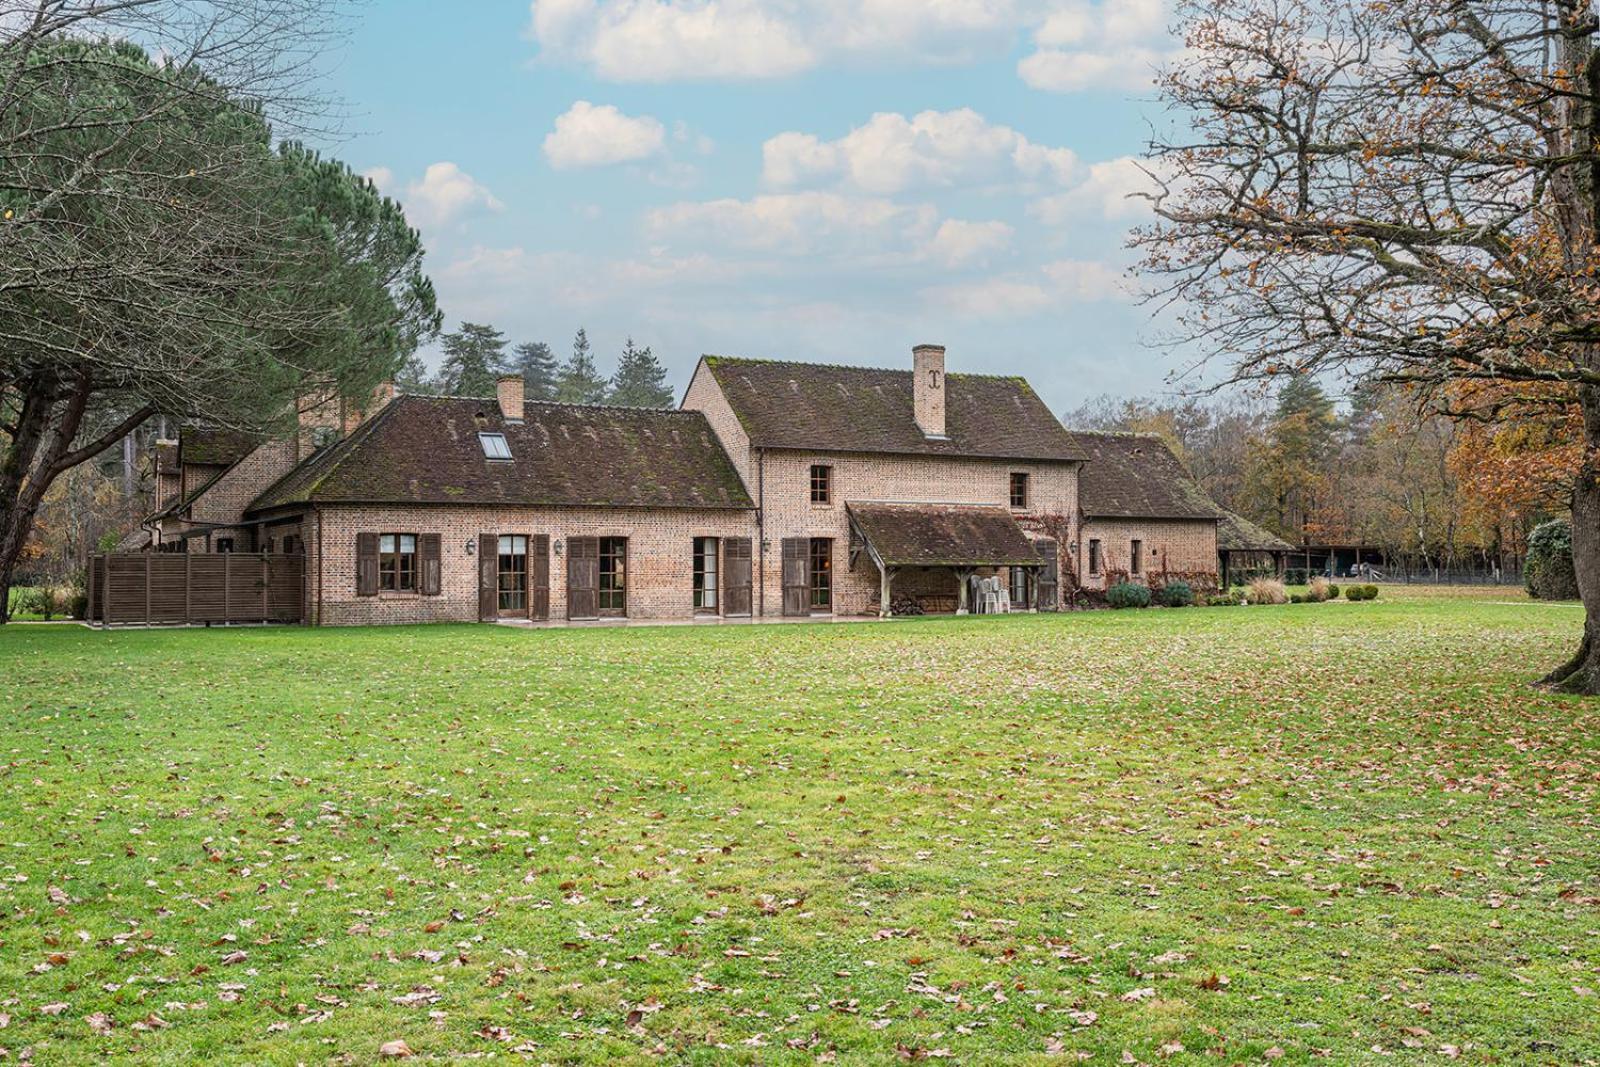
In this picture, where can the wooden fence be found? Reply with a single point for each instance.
(180, 588)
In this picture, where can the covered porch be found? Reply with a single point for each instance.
(932, 552)
(1246, 550)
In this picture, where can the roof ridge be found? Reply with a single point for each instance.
(710, 356)
(555, 404)
(335, 453)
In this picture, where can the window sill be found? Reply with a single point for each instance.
(392, 595)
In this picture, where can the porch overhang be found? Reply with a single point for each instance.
(961, 537)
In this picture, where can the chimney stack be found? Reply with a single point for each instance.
(509, 389)
(928, 388)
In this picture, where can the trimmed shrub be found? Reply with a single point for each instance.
(1369, 592)
(1355, 593)
(1549, 572)
(1267, 591)
(1333, 591)
(1178, 595)
(1223, 600)
(1297, 598)
(1128, 595)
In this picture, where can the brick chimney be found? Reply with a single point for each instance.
(509, 390)
(928, 388)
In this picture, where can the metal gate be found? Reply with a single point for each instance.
(180, 588)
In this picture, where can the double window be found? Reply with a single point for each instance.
(512, 584)
(397, 563)
(1019, 489)
(705, 574)
(821, 483)
(821, 573)
(613, 576)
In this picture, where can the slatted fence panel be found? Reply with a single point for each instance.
(158, 588)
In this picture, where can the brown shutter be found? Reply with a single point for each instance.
(1049, 582)
(539, 577)
(429, 549)
(796, 574)
(583, 577)
(366, 564)
(488, 577)
(736, 576)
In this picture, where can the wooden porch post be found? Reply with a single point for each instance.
(885, 585)
(961, 590)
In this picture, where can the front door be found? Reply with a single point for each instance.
(583, 577)
(511, 584)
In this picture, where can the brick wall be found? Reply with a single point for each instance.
(660, 556)
(705, 396)
(784, 480)
(1179, 547)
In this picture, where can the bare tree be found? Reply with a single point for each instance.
(158, 250)
(1407, 191)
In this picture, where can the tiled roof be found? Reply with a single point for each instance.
(941, 535)
(1235, 533)
(214, 447)
(1135, 476)
(868, 409)
(184, 503)
(425, 450)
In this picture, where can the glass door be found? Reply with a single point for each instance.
(513, 575)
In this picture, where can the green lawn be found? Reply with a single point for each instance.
(1314, 834)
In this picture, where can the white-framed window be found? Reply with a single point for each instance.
(494, 445)
(705, 574)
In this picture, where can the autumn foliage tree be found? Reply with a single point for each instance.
(1403, 191)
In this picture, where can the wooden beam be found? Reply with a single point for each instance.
(961, 590)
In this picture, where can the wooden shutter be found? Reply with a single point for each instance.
(1049, 582)
(539, 577)
(583, 577)
(429, 550)
(796, 576)
(736, 576)
(366, 564)
(488, 577)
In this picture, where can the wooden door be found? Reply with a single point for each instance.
(583, 577)
(488, 577)
(736, 598)
(1047, 589)
(539, 577)
(797, 576)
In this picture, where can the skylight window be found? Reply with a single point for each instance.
(494, 445)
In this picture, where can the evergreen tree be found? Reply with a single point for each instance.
(640, 381)
(1288, 470)
(579, 382)
(413, 377)
(537, 365)
(473, 357)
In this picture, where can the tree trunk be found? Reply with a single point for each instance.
(1581, 674)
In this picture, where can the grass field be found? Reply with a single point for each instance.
(1341, 833)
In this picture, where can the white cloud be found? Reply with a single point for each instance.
(892, 153)
(444, 194)
(957, 242)
(796, 224)
(1113, 190)
(1115, 44)
(588, 135)
(382, 177)
(1066, 281)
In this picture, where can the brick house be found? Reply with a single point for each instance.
(776, 489)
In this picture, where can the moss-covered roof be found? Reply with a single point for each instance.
(425, 450)
(870, 409)
(941, 535)
(1235, 533)
(214, 447)
(1136, 476)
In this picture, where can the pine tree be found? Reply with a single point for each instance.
(413, 377)
(473, 357)
(537, 365)
(640, 381)
(579, 382)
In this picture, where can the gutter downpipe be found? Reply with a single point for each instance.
(316, 515)
(761, 528)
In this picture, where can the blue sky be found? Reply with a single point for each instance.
(828, 180)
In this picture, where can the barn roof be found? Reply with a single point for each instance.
(1136, 476)
(941, 535)
(1235, 533)
(869, 409)
(426, 450)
